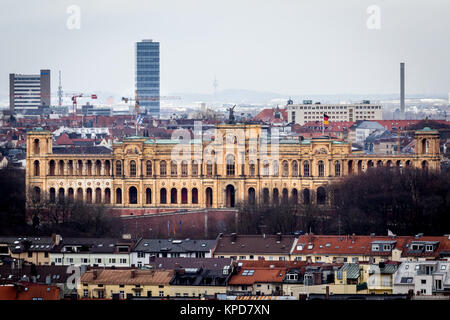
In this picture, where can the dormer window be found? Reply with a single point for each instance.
(292, 276)
(300, 247)
(310, 246)
(429, 247)
(375, 247)
(387, 247)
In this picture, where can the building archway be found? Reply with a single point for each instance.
(306, 196)
(148, 196)
(107, 196)
(285, 196)
(194, 195)
(184, 196)
(163, 196)
(230, 196)
(118, 196)
(266, 196)
(209, 197)
(173, 196)
(294, 196)
(321, 195)
(276, 196)
(98, 195)
(251, 196)
(132, 195)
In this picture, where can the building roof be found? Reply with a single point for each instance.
(81, 150)
(47, 274)
(174, 246)
(29, 291)
(205, 263)
(94, 245)
(22, 244)
(254, 244)
(127, 277)
(251, 275)
(342, 245)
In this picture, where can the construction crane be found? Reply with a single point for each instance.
(137, 119)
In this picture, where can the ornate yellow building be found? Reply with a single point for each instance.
(237, 163)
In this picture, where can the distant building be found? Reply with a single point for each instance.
(147, 76)
(307, 111)
(29, 94)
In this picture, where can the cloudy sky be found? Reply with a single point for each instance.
(283, 46)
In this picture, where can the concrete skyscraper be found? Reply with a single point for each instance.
(28, 94)
(147, 76)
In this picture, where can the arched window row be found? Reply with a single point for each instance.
(77, 167)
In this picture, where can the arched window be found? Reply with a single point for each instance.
(148, 166)
(36, 146)
(320, 168)
(107, 196)
(424, 146)
(52, 195)
(80, 194)
(337, 168)
(230, 165)
(148, 196)
(294, 168)
(51, 171)
(133, 195)
(132, 168)
(98, 168)
(98, 195)
(266, 196)
(173, 168)
(209, 197)
(425, 165)
(266, 168)
(294, 196)
(251, 196)
(306, 196)
(37, 194)
(80, 168)
(194, 195)
(321, 195)
(285, 168)
(118, 196)
(285, 195)
(184, 168)
(162, 168)
(275, 196)
(61, 195)
(252, 168)
(173, 195)
(107, 168)
(118, 168)
(306, 168)
(194, 168)
(209, 168)
(70, 167)
(89, 195)
(36, 169)
(276, 168)
(184, 196)
(163, 196)
(61, 167)
(89, 168)
(70, 194)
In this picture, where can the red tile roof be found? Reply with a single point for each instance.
(267, 275)
(29, 291)
(268, 115)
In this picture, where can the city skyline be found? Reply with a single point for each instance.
(248, 46)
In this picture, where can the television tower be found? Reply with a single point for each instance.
(60, 92)
(215, 85)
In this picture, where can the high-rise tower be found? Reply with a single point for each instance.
(402, 87)
(147, 76)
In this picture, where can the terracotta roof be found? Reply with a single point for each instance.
(29, 291)
(63, 140)
(253, 275)
(254, 244)
(114, 276)
(354, 245)
(268, 115)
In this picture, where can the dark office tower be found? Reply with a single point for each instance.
(402, 87)
(29, 94)
(147, 76)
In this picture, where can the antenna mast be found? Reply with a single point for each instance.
(60, 92)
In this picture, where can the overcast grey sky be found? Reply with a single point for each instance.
(284, 46)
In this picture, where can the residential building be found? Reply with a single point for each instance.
(29, 291)
(255, 247)
(96, 252)
(34, 250)
(422, 278)
(121, 284)
(199, 282)
(307, 111)
(145, 249)
(29, 93)
(148, 76)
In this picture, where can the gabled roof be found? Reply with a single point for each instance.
(133, 277)
(204, 263)
(251, 275)
(254, 244)
(172, 245)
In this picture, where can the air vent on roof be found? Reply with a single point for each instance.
(177, 241)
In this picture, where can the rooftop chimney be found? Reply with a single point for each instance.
(133, 274)
(94, 274)
(233, 237)
(279, 236)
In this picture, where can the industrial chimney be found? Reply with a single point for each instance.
(402, 87)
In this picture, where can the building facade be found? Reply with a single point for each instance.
(28, 94)
(307, 111)
(147, 76)
(238, 163)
